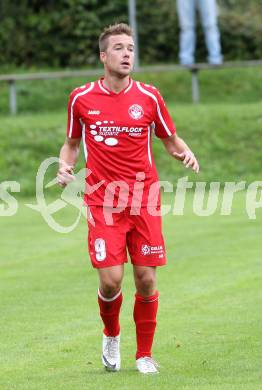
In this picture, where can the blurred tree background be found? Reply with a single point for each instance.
(63, 33)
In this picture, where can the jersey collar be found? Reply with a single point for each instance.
(108, 92)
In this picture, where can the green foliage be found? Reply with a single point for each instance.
(241, 29)
(158, 31)
(64, 33)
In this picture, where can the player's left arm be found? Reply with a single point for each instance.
(178, 149)
(165, 130)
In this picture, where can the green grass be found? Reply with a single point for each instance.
(227, 139)
(209, 322)
(239, 85)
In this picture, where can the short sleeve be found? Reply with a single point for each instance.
(74, 127)
(164, 125)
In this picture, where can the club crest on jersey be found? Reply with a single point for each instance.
(135, 111)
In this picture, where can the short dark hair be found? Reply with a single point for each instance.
(114, 29)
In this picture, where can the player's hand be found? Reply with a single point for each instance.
(188, 159)
(65, 175)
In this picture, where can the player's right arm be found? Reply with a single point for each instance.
(67, 160)
(70, 150)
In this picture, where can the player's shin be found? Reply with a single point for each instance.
(109, 312)
(145, 312)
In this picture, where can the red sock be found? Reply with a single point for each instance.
(109, 312)
(145, 311)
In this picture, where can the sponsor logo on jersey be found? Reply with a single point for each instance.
(107, 132)
(136, 111)
(94, 112)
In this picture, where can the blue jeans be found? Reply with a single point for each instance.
(187, 16)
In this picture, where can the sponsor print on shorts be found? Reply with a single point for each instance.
(147, 250)
(100, 249)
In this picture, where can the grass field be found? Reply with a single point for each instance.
(209, 323)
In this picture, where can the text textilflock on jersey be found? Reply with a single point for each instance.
(116, 130)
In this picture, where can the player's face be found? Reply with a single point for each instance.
(119, 55)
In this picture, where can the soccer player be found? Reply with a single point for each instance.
(115, 117)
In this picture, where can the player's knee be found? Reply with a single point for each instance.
(109, 288)
(146, 283)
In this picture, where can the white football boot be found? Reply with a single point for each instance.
(147, 365)
(111, 353)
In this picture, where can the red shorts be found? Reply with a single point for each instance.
(110, 235)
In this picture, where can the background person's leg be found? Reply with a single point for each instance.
(208, 14)
(187, 39)
(110, 298)
(145, 308)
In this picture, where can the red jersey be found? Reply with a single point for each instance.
(116, 130)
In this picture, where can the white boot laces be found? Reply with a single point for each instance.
(148, 361)
(112, 346)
